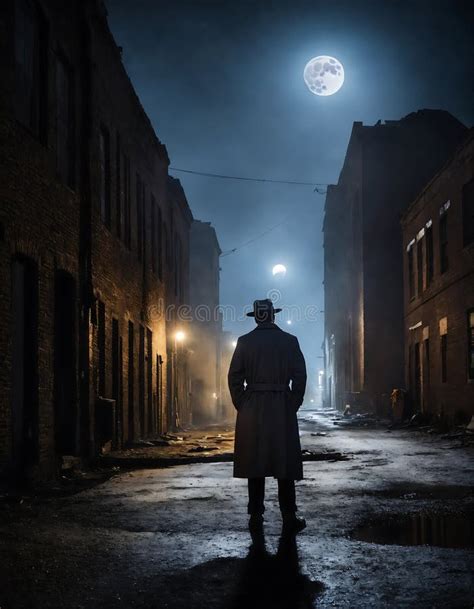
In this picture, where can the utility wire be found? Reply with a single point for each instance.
(318, 187)
(259, 236)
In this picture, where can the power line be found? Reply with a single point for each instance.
(318, 186)
(259, 236)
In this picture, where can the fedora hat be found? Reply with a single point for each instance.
(261, 308)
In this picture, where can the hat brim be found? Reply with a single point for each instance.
(252, 314)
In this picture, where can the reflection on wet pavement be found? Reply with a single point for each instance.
(445, 531)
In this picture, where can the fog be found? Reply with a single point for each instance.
(222, 83)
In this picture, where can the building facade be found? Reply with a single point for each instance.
(206, 341)
(438, 246)
(386, 165)
(92, 245)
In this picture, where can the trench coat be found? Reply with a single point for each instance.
(267, 439)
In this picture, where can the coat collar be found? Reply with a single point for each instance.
(267, 326)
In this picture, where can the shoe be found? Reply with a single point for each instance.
(293, 525)
(256, 522)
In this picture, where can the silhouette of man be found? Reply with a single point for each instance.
(267, 442)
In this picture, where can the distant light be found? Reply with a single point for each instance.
(289, 322)
(279, 269)
(234, 343)
(180, 336)
(321, 372)
(311, 401)
(214, 395)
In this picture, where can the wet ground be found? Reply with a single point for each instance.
(176, 537)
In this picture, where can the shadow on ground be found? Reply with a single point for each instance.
(260, 580)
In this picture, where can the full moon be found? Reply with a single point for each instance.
(323, 75)
(279, 269)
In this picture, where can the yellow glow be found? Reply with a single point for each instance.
(180, 336)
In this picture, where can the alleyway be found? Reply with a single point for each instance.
(177, 537)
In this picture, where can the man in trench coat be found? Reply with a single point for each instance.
(267, 442)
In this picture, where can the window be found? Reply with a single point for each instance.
(468, 212)
(105, 175)
(159, 239)
(127, 225)
(131, 382)
(443, 243)
(419, 265)
(140, 192)
(65, 123)
(153, 234)
(429, 254)
(119, 188)
(443, 331)
(411, 274)
(31, 61)
(470, 344)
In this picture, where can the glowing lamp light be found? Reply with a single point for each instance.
(234, 343)
(279, 269)
(180, 336)
(214, 395)
(289, 322)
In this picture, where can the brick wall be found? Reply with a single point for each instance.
(67, 182)
(448, 294)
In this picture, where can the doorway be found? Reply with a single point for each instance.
(25, 363)
(65, 399)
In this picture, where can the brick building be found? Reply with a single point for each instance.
(92, 245)
(386, 165)
(207, 323)
(438, 245)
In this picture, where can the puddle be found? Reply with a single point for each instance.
(444, 531)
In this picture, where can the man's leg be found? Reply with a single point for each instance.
(256, 505)
(287, 497)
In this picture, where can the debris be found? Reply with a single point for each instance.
(201, 449)
(320, 433)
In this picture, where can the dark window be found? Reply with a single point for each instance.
(444, 360)
(105, 175)
(65, 126)
(141, 379)
(159, 239)
(31, 62)
(429, 255)
(426, 364)
(153, 234)
(419, 265)
(443, 243)
(140, 206)
(127, 224)
(149, 381)
(411, 273)
(468, 212)
(119, 188)
(101, 345)
(470, 344)
(131, 382)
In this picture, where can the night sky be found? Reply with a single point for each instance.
(222, 84)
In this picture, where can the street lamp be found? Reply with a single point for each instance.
(180, 336)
